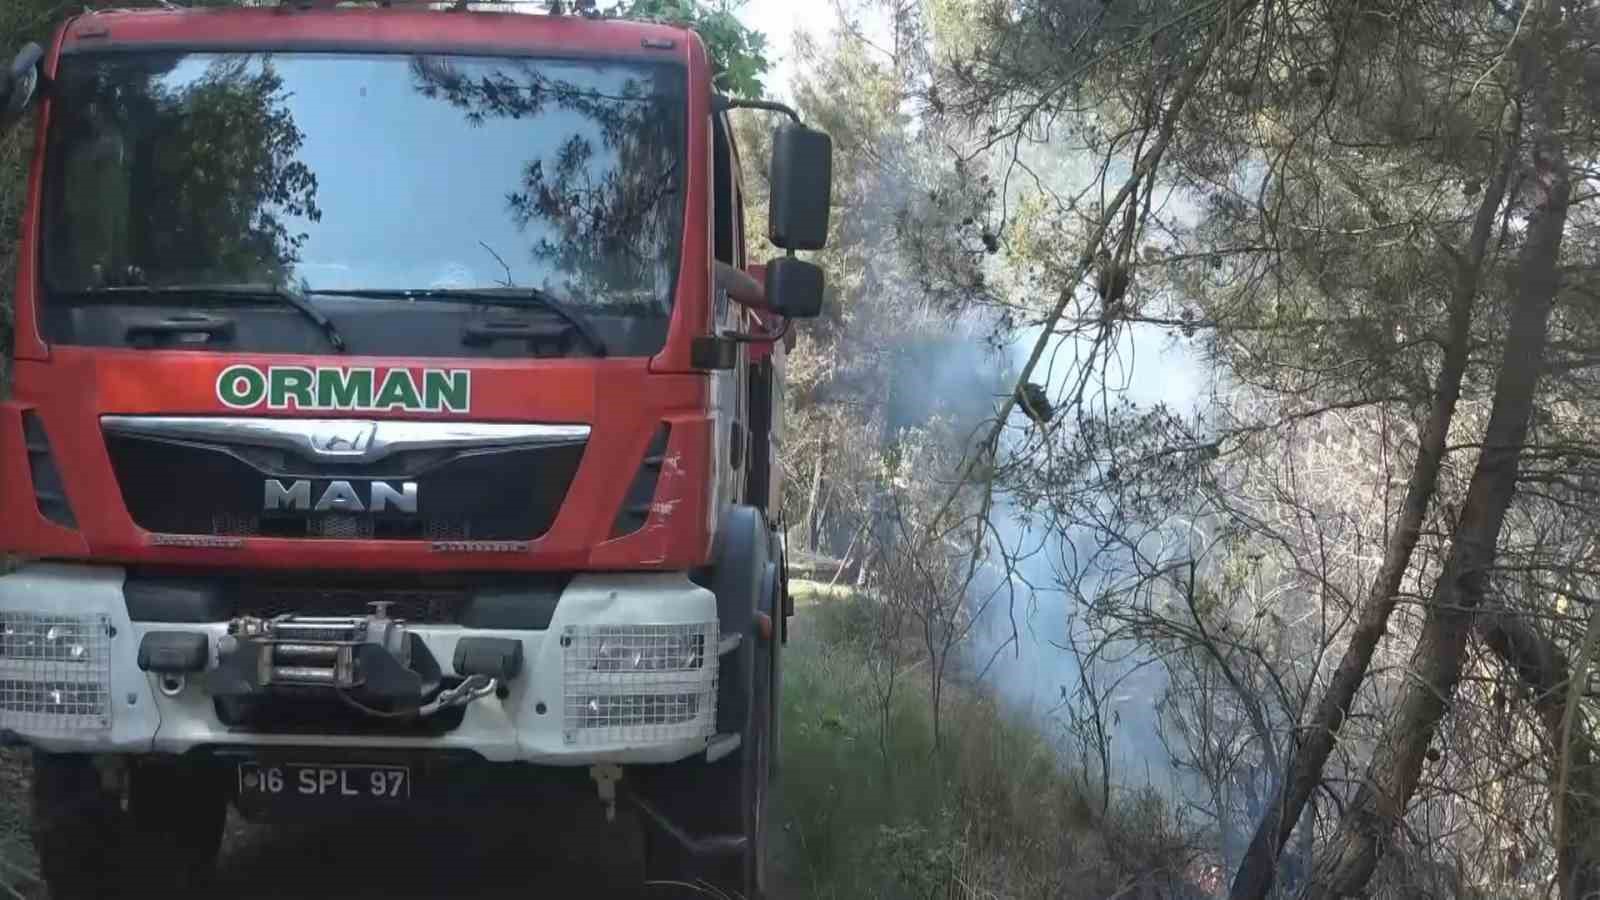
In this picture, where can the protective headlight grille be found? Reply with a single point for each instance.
(55, 673)
(639, 683)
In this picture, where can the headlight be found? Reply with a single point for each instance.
(50, 637)
(658, 648)
(639, 683)
(55, 673)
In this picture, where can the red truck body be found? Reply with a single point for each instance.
(332, 491)
(623, 400)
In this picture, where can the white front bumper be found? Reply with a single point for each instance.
(530, 724)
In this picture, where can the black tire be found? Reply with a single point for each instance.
(163, 842)
(766, 716)
(740, 792)
(780, 629)
(76, 824)
(729, 797)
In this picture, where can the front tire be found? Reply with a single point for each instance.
(739, 792)
(163, 841)
(780, 640)
(728, 797)
(75, 827)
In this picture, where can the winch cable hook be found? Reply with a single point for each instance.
(475, 687)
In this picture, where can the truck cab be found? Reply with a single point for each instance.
(392, 413)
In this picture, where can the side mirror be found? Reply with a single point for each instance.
(802, 188)
(794, 288)
(19, 84)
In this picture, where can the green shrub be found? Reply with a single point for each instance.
(994, 813)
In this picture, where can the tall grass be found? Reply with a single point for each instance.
(994, 812)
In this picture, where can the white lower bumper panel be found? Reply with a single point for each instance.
(626, 673)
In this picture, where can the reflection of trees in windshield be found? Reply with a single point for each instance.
(206, 166)
(606, 193)
(370, 171)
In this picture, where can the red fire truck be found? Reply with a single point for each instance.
(384, 434)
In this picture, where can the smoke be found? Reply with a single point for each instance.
(1027, 638)
(1037, 673)
(953, 375)
(1022, 642)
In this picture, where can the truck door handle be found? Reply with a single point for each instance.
(182, 329)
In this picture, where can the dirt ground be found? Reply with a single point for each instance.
(377, 859)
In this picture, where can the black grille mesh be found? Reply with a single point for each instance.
(511, 493)
(438, 606)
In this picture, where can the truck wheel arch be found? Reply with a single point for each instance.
(739, 576)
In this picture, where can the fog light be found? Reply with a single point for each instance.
(636, 684)
(649, 709)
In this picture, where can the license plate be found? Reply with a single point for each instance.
(336, 782)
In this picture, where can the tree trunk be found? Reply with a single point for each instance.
(827, 531)
(813, 514)
(1543, 669)
(1315, 741)
(1574, 794)
(1435, 668)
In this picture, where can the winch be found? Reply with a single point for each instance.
(369, 658)
(318, 650)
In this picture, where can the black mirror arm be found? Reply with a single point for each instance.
(25, 68)
(29, 57)
(747, 337)
(724, 103)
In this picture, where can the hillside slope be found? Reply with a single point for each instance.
(992, 813)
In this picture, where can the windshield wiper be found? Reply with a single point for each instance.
(227, 293)
(514, 297)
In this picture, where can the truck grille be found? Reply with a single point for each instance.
(423, 607)
(195, 488)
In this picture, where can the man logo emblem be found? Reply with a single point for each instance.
(343, 438)
(339, 497)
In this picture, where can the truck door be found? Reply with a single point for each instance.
(731, 388)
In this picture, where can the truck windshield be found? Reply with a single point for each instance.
(376, 174)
